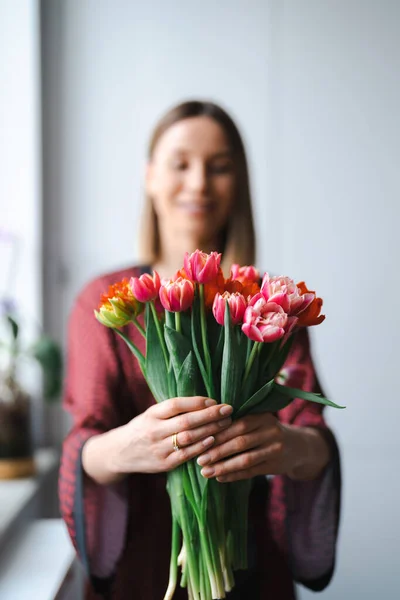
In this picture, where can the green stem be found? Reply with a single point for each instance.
(206, 350)
(195, 484)
(132, 347)
(139, 328)
(250, 361)
(160, 334)
(192, 565)
(173, 567)
(178, 325)
(209, 563)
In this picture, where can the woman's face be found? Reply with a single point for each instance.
(191, 179)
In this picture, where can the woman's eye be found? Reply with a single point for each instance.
(179, 165)
(220, 168)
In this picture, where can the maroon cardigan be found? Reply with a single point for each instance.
(122, 533)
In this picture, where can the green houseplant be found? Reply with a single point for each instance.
(16, 444)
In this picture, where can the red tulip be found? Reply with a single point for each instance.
(145, 287)
(177, 296)
(202, 267)
(245, 274)
(264, 321)
(237, 306)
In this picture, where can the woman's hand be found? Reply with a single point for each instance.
(261, 445)
(145, 444)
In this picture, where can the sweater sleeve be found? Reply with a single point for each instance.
(305, 514)
(95, 515)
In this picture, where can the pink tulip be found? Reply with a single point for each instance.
(177, 296)
(283, 291)
(145, 287)
(264, 321)
(237, 306)
(202, 267)
(244, 273)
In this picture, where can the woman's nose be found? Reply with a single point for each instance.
(197, 178)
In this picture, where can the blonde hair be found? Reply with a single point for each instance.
(238, 238)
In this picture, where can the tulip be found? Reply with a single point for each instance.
(264, 321)
(118, 306)
(145, 287)
(237, 307)
(309, 314)
(245, 274)
(177, 296)
(202, 267)
(283, 291)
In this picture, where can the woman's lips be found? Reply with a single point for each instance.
(196, 207)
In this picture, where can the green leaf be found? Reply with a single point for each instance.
(187, 380)
(14, 327)
(204, 500)
(277, 359)
(232, 366)
(178, 347)
(187, 488)
(155, 368)
(311, 396)
(171, 383)
(49, 356)
(249, 386)
(186, 324)
(274, 402)
(196, 335)
(135, 351)
(255, 400)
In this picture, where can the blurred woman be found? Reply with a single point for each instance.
(112, 477)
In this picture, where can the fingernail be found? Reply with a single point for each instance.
(203, 460)
(210, 402)
(226, 410)
(224, 422)
(207, 471)
(208, 441)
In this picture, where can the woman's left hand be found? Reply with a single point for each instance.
(253, 445)
(261, 445)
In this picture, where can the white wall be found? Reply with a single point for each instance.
(20, 167)
(337, 190)
(120, 66)
(314, 87)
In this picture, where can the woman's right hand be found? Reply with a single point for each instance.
(145, 444)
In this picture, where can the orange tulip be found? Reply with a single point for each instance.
(310, 315)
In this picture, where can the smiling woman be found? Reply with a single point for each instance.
(115, 458)
(198, 183)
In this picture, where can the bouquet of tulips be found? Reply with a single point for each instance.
(227, 339)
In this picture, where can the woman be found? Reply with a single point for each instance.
(112, 477)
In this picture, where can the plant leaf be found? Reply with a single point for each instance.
(232, 366)
(135, 351)
(196, 335)
(156, 372)
(14, 326)
(187, 380)
(255, 400)
(49, 356)
(311, 396)
(178, 346)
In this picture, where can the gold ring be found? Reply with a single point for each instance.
(175, 444)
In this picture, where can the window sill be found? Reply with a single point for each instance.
(40, 564)
(19, 498)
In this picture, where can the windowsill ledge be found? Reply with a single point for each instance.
(19, 497)
(40, 564)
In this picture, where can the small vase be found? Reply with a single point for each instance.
(16, 447)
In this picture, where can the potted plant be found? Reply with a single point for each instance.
(16, 440)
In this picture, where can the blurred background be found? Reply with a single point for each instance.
(314, 87)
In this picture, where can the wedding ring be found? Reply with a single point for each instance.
(175, 444)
